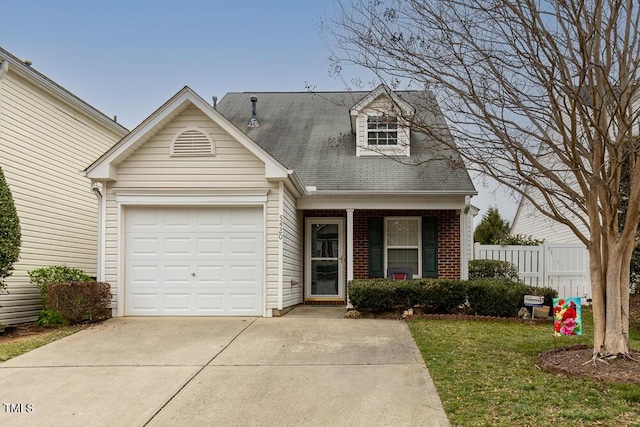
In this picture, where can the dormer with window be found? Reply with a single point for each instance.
(379, 124)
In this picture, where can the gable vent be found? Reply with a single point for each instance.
(192, 142)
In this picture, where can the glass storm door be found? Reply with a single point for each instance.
(325, 258)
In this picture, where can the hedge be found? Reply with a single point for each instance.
(46, 276)
(79, 302)
(492, 269)
(485, 297)
(442, 296)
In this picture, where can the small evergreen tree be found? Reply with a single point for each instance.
(9, 231)
(492, 229)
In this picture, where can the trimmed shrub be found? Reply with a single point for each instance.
(502, 297)
(46, 276)
(492, 269)
(484, 297)
(375, 294)
(79, 302)
(443, 296)
(440, 296)
(495, 297)
(10, 236)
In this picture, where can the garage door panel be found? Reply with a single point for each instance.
(210, 303)
(241, 302)
(210, 219)
(245, 220)
(142, 220)
(210, 275)
(177, 246)
(140, 275)
(143, 246)
(243, 246)
(177, 302)
(209, 246)
(144, 302)
(242, 275)
(191, 261)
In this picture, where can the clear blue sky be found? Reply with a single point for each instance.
(126, 58)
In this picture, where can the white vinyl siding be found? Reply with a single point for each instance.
(530, 221)
(44, 145)
(292, 235)
(234, 168)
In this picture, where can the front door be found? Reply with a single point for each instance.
(325, 258)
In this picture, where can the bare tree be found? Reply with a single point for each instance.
(537, 94)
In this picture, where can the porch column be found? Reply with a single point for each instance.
(465, 244)
(349, 251)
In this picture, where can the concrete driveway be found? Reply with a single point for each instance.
(223, 372)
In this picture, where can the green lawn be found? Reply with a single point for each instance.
(486, 375)
(12, 348)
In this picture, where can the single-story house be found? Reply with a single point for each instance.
(47, 136)
(269, 200)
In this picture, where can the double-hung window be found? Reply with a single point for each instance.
(382, 130)
(403, 243)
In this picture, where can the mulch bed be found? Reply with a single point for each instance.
(10, 333)
(577, 361)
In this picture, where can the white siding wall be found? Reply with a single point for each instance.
(530, 221)
(233, 167)
(44, 144)
(292, 234)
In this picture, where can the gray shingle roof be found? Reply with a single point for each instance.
(300, 130)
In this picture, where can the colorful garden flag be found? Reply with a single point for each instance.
(567, 316)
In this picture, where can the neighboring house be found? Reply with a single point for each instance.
(215, 210)
(529, 221)
(47, 137)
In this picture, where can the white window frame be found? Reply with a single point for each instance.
(386, 129)
(418, 274)
(364, 149)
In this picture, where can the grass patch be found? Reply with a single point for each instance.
(486, 374)
(15, 347)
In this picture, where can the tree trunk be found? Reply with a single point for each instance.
(610, 303)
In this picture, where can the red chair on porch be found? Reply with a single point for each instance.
(400, 273)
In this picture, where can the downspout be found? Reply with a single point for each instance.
(464, 241)
(101, 229)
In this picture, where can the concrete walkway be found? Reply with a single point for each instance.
(224, 372)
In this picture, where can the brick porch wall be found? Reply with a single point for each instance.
(448, 237)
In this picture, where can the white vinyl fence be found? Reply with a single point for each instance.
(561, 266)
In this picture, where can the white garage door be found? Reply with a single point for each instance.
(194, 261)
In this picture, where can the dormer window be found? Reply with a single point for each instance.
(382, 130)
(381, 124)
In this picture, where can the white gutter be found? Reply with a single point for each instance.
(391, 192)
(100, 272)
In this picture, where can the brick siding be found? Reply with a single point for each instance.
(448, 237)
